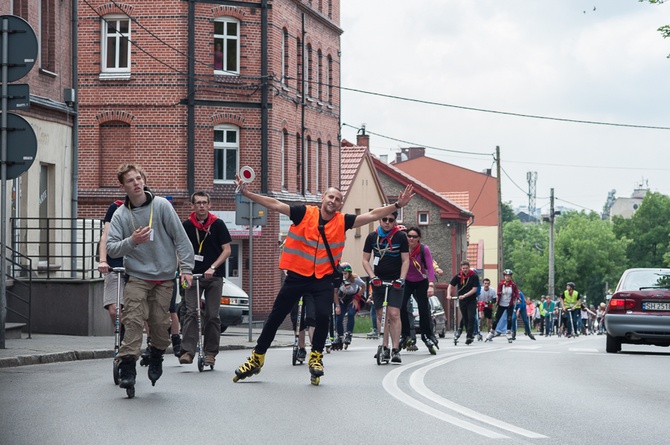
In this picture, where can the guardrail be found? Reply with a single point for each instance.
(26, 283)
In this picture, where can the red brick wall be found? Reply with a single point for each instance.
(149, 102)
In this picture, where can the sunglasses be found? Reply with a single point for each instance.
(412, 236)
(388, 220)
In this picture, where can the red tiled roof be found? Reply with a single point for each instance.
(473, 255)
(351, 159)
(460, 198)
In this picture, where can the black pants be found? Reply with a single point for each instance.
(420, 291)
(469, 311)
(294, 286)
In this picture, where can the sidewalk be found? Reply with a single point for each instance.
(47, 348)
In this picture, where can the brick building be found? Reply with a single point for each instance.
(193, 91)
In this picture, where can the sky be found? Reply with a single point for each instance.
(600, 61)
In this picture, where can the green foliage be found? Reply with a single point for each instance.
(664, 30)
(508, 213)
(648, 232)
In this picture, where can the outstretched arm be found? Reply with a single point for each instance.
(265, 201)
(374, 215)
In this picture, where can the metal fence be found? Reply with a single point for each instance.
(58, 248)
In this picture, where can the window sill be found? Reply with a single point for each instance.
(226, 77)
(115, 76)
(309, 99)
(48, 73)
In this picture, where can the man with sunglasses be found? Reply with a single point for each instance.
(388, 249)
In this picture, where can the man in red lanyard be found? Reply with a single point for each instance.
(211, 243)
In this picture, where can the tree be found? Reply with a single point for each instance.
(648, 232)
(508, 212)
(664, 30)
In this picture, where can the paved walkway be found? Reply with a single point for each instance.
(46, 348)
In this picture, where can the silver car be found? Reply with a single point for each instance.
(639, 310)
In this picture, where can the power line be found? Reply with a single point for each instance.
(414, 144)
(507, 113)
(517, 186)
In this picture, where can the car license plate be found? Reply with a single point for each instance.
(655, 306)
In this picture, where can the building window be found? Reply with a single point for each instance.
(308, 161)
(285, 58)
(308, 71)
(401, 215)
(317, 77)
(330, 80)
(284, 163)
(329, 155)
(423, 218)
(299, 69)
(298, 164)
(317, 166)
(48, 36)
(226, 46)
(226, 153)
(116, 44)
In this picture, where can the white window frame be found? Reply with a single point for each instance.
(225, 147)
(225, 38)
(423, 218)
(115, 71)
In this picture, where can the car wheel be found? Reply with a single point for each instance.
(223, 328)
(613, 344)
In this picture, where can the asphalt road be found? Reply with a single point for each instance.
(552, 391)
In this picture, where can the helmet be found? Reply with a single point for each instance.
(508, 272)
(571, 284)
(346, 267)
(401, 228)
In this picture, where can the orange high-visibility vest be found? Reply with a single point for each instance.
(304, 251)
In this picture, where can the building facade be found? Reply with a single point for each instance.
(193, 91)
(45, 189)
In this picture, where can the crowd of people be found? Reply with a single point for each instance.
(143, 234)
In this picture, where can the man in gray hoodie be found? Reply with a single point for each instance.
(147, 232)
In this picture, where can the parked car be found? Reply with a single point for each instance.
(639, 310)
(234, 308)
(437, 315)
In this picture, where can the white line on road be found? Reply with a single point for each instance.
(390, 384)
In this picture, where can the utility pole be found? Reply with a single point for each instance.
(550, 285)
(500, 221)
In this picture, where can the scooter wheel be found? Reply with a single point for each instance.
(236, 378)
(315, 380)
(201, 364)
(294, 359)
(380, 354)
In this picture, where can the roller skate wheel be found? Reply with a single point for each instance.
(236, 378)
(315, 380)
(328, 350)
(130, 392)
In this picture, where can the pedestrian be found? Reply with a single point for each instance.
(386, 259)
(572, 302)
(146, 231)
(350, 296)
(521, 309)
(600, 318)
(210, 240)
(420, 283)
(508, 294)
(488, 297)
(106, 264)
(465, 285)
(313, 248)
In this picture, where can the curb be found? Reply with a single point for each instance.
(70, 356)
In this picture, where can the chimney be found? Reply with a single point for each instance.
(416, 152)
(363, 140)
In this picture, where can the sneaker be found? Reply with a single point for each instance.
(186, 359)
(210, 360)
(176, 344)
(302, 354)
(373, 334)
(395, 356)
(386, 355)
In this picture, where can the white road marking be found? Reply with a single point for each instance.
(390, 384)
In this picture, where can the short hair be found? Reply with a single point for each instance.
(203, 194)
(465, 263)
(486, 279)
(125, 168)
(395, 214)
(415, 229)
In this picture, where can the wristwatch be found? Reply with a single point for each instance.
(212, 267)
(397, 206)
